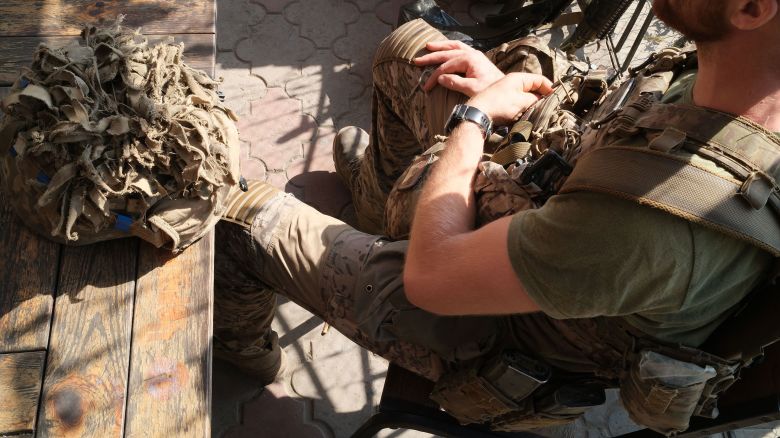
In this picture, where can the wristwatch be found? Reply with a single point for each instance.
(467, 113)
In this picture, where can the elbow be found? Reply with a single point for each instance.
(422, 292)
(416, 289)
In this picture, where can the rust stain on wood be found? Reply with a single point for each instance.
(166, 378)
(170, 385)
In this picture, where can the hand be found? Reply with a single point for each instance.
(508, 98)
(458, 59)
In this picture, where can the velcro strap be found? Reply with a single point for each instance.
(738, 137)
(511, 153)
(662, 181)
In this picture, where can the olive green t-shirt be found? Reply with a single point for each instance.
(589, 254)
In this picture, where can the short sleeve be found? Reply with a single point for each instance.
(588, 254)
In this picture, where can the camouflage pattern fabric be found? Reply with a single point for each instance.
(114, 138)
(407, 120)
(353, 280)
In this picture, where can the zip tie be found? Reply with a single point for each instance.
(42, 177)
(123, 222)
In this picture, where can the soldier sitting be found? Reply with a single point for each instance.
(519, 284)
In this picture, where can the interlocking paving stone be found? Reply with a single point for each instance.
(317, 154)
(323, 191)
(275, 50)
(387, 11)
(363, 37)
(251, 167)
(276, 129)
(322, 21)
(359, 113)
(233, 20)
(326, 86)
(239, 85)
(275, 6)
(368, 5)
(343, 379)
(231, 390)
(275, 414)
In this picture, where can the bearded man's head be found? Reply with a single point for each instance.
(700, 20)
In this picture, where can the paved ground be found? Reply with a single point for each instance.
(296, 71)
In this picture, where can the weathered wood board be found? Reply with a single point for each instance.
(171, 355)
(85, 383)
(28, 268)
(20, 388)
(17, 52)
(66, 17)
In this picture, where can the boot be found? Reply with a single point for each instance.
(267, 365)
(349, 146)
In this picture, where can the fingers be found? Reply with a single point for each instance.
(458, 83)
(542, 85)
(532, 83)
(438, 57)
(446, 45)
(457, 65)
(441, 52)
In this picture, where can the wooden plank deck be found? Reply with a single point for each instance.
(20, 383)
(61, 18)
(18, 51)
(160, 367)
(26, 292)
(111, 339)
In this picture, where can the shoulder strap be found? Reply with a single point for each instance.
(746, 206)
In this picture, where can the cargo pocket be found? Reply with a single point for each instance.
(662, 393)
(402, 201)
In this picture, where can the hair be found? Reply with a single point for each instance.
(700, 20)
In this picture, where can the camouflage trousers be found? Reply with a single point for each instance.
(352, 279)
(406, 120)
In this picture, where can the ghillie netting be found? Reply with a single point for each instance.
(113, 137)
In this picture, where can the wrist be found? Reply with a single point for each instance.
(470, 129)
(481, 105)
(466, 114)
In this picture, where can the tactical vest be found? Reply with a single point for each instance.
(569, 142)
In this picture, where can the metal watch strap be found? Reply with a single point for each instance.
(467, 113)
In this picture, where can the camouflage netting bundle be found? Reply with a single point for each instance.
(115, 138)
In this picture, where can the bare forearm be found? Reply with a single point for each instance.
(452, 268)
(446, 207)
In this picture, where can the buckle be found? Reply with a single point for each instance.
(757, 189)
(542, 172)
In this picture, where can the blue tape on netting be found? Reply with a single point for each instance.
(13, 152)
(42, 177)
(123, 223)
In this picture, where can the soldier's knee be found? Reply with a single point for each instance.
(404, 43)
